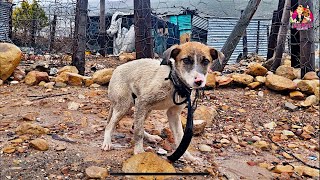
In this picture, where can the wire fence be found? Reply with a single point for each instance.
(48, 26)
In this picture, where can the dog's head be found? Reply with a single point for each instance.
(192, 61)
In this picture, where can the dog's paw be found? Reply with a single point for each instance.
(153, 138)
(106, 145)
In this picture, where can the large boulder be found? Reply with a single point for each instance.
(10, 57)
(286, 71)
(102, 76)
(279, 83)
(260, 79)
(242, 78)
(70, 69)
(147, 162)
(256, 69)
(35, 77)
(308, 86)
(310, 76)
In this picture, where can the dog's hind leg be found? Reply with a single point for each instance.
(115, 114)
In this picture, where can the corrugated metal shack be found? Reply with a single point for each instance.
(219, 30)
(5, 19)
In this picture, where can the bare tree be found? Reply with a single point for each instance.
(281, 39)
(237, 33)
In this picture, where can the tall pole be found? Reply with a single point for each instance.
(307, 53)
(79, 45)
(102, 29)
(142, 24)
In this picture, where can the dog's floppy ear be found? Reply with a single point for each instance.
(172, 52)
(217, 55)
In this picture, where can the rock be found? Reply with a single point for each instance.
(60, 147)
(198, 125)
(223, 80)
(39, 144)
(8, 149)
(49, 85)
(35, 77)
(260, 79)
(309, 129)
(94, 85)
(290, 106)
(308, 86)
(310, 100)
(73, 106)
(305, 170)
(316, 92)
(283, 169)
(75, 79)
(211, 80)
(60, 84)
(254, 85)
(224, 141)
(256, 138)
(305, 136)
(30, 116)
(296, 95)
(102, 76)
(270, 125)
(256, 69)
(70, 69)
(286, 155)
(62, 78)
(188, 169)
(28, 128)
(310, 76)
(263, 145)
(53, 71)
(18, 74)
(97, 172)
(279, 83)
(235, 139)
(204, 148)
(126, 57)
(260, 93)
(162, 151)
(87, 81)
(288, 133)
(242, 78)
(1, 82)
(297, 72)
(205, 113)
(286, 71)
(147, 162)
(10, 57)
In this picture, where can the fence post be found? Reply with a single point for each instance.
(235, 36)
(281, 39)
(142, 23)
(245, 42)
(258, 37)
(307, 54)
(295, 40)
(79, 45)
(53, 27)
(102, 29)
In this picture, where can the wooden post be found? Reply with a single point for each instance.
(236, 34)
(276, 22)
(102, 28)
(244, 42)
(307, 53)
(282, 35)
(258, 37)
(142, 23)
(294, 40)
(79, 46)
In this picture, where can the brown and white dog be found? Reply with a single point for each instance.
(141, 83)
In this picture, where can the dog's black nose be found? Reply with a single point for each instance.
(198, 82)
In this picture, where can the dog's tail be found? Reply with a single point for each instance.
(110, 113)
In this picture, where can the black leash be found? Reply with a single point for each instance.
(183, 91)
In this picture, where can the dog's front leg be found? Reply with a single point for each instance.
(176, 128)
(140, 115)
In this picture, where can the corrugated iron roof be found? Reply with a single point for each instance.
(200, 22)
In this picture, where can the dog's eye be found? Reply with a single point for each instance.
(187, 61)
(205, 62)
